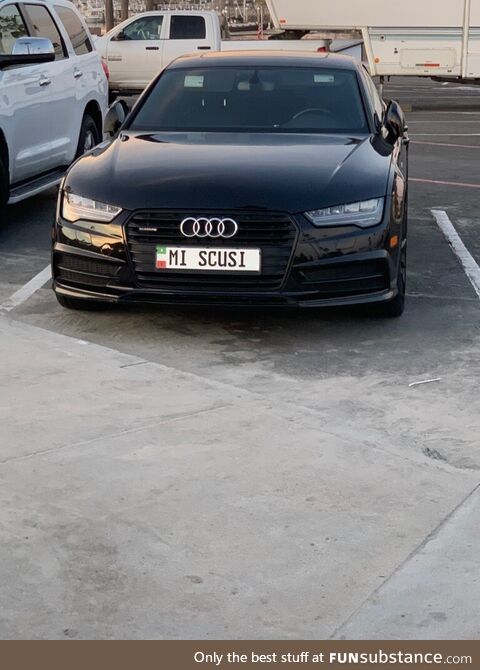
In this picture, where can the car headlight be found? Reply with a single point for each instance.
(76, 207)
(365, 213)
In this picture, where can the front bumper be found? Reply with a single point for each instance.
(313, 267)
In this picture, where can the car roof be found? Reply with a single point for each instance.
(265, 59)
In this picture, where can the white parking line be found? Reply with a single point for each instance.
(429, 122)
(26, 291)
(447, 144)
(439, 111)
(444, 134)
(464, 256)
(440, 182)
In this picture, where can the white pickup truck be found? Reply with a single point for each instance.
(136, 50)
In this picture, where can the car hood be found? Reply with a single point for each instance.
(216, 171)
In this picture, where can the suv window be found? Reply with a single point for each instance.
(146, 28)
(187, 28)
(77, 33)
(11, 28)
(43, 25)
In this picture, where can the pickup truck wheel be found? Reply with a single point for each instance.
(3, 187)
(89, 136)
(78, 303)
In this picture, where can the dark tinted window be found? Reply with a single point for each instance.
(262, 100)
(187, 28)
(77, 33)
(43, 25)
(11, 28)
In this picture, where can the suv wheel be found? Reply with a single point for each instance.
(4, 187)
(89, 136)
(78, 303)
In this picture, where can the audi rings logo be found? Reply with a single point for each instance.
(213, 228)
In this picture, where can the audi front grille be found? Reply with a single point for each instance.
(273, 233)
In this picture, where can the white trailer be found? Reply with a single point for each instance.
(433, 38)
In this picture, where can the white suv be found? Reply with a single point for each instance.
(53, 94)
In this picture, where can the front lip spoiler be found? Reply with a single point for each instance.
(208, 300)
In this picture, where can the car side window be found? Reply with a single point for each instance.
(43, 25)
(187, 27)
(76, 32)
(11, 28)
(147, 28)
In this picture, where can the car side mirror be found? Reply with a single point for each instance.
(120, 36)
(29, 51)
(394, 121)
(114, 118)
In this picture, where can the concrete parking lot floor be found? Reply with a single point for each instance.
(174, 473)
(141, 501)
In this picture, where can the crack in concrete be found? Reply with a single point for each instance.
(170, 419)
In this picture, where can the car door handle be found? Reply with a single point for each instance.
(203, 48)
(77, 74)
(44, 81)
(152, 48)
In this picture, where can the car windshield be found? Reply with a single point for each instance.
(270, 99)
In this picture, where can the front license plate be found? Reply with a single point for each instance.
(207, 259)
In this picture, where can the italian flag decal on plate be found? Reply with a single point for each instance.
(161, 262)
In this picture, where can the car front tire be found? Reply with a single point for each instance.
(4, 187)
(395, 308)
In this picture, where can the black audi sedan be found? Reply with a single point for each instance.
(241, 178)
